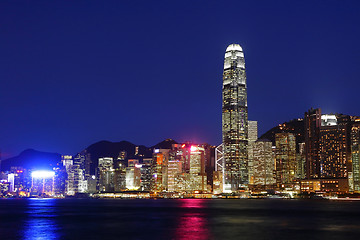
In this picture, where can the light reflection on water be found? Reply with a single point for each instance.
(193, 222)
(41, 222)
(177, 219)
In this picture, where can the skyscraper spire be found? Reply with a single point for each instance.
(234, 119)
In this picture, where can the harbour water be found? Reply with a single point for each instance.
(178, 219)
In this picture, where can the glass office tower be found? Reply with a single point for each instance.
(234, 120)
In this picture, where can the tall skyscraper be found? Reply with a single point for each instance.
(197, 174)
(263, 165)
(355, 156)
(301, 162)
(76, 181)
(146, 174)
(285, 154)
(159, 170)
(174, 169)
(234, 120)
(120, 176)
(252, 137)
(312, 134)
(133, 174)
(327, 145)
(106, 174)
(83, 159)
(334, 147)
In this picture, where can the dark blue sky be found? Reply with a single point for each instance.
(76, 72)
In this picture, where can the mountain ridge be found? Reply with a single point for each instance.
(31, 158)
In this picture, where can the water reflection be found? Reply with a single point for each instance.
(193, 220)
(41, 222)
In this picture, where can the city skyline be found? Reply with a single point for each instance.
(140, 119)
(284, 166)
(117, 72)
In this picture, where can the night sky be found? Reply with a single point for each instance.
(76, 72)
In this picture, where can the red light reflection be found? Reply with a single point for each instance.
(193, 222)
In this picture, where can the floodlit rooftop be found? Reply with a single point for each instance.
(233, 47)
(43, 174)
(328, 120)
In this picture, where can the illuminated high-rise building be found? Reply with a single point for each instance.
(263, 164)
(11, 180)
(301, 162)
(159, 170)
(76, 182)
(106, 174)
(174, 169)
(146, 175)
(217, 182)
(78, 172)
(67, 161)
(252, 137)
(120, 177)
(83, 159)
(330, 141)
(234, 120)
(42, 183)
(312, 134)
(327, 145)
(355, 157)
(197, 177)
(133, 174)
(253, 131)
(334, 146)
(285, 154)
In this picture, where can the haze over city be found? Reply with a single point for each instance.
(76, 73)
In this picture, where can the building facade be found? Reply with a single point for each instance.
(355, 157)
(263, 165)
(252, 137)
(234, 120)
(331, 149)
(312, 121)
(285, 154)
(333, 146)
(301, 162)
(106, 173)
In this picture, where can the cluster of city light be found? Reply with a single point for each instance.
(193, 148)
(184, 169)
(43, 174)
